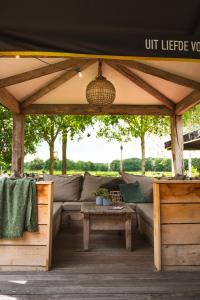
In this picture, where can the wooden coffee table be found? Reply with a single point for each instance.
(97, 217)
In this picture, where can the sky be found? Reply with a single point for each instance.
(99, 150)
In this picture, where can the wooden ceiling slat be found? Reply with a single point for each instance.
(144, 85)
(9, 101)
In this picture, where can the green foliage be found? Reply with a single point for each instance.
(36, 164)
(115, 165)
(124, 128)
(157, 165)
(196, 164)
(131, 164)
(49, 127)
(5, 137)
(102, 192)
(74, 126)
(32, 137)
(192, 119)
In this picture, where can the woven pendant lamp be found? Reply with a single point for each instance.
(100, 92)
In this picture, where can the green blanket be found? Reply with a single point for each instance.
(18, 209)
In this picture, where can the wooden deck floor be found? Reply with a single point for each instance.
(107, 272)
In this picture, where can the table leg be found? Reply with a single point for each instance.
(128, 232)
(86, 232)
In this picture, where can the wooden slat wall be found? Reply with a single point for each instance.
(32, 251)
(177, 225)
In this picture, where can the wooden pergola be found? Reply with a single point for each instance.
(43, 85)
(151, 53)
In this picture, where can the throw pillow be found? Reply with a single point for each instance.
(91, 184)
(146, 184)
(113, 185)
(131, 192)
(66, 188)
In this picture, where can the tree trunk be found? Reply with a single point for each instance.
(64, 152)
(121, 158)
(143, 154)
(51, 161)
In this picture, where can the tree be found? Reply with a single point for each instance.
(124, 128)
(191, 119)
(48, 128)
(5, 137)
(72, 126)
(35, 165)
(32, 137)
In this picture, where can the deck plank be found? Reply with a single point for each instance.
(107, 272)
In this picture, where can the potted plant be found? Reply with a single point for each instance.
(102, 197)
(99, 196)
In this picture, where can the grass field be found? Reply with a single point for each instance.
(103, 173)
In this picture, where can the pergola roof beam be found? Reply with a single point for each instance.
(85, 109)
(9, 101)
(144, 85)
(160, 73)
(43, 71)
(188, 102)
(55, 83)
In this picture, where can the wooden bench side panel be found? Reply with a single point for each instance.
(179, 225)
(179, 193)
(33, 250)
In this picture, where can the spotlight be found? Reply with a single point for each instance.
(80, 75)
(78, 70)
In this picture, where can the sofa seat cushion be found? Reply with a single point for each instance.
(57, 208)
(132, 205)
(146, 211)
(71, 206)
(91, 183)
(146, 184)
(66, 188)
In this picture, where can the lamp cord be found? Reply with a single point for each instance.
(100, 68)
(77, 69)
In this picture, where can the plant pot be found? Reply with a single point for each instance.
(107, 202)
(99, 201)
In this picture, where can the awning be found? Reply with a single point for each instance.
(120, 28)
(191, 141)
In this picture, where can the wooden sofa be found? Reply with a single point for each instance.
(33, 251)
(83, 187)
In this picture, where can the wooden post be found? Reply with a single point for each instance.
(64, 152)
(86, 232)
(18, 143)
(177, 144)
(128, 232)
